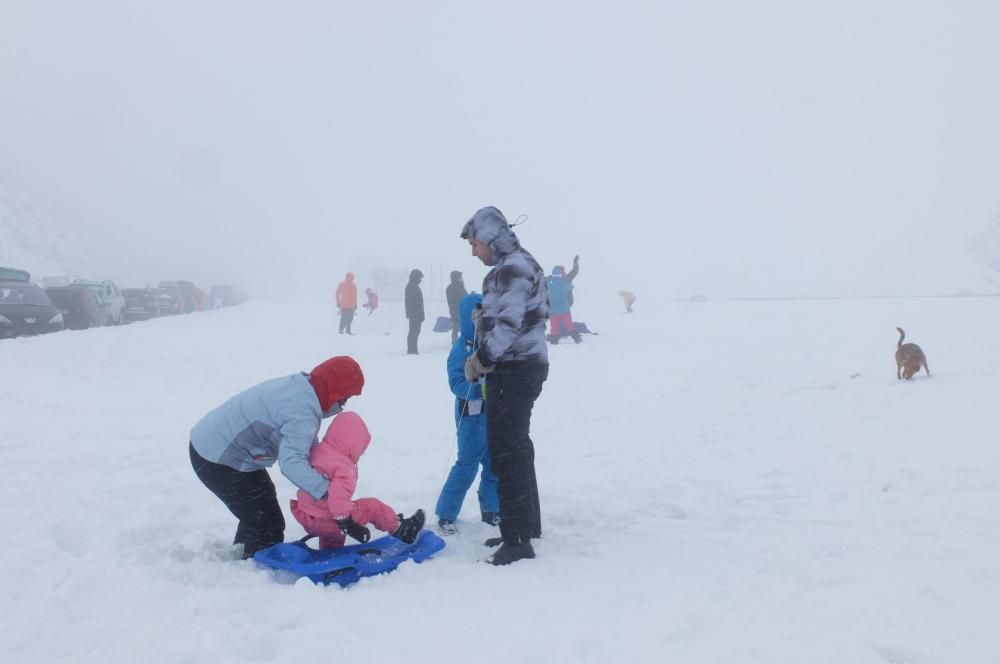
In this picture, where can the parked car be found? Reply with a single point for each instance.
(169, 300)
(55, 282)
(13, 274)
(140, 304)
(224, 296)
(189, 298)
(112, 295)
(82, 307)
(25, 309)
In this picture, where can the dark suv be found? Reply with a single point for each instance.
(140, 304)
(25, 309)
(82, 307)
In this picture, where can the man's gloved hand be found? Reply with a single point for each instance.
(360, 533)
(474, 368)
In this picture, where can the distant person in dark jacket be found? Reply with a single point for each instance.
(454, 294)
(414, 310)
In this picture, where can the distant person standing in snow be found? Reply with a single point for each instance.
(414, 302)
(372, 304)
(513, 355)
(277, 420)
(454, 294)
(629, 300)
(347, 302)
(470, 419)
(560, 317)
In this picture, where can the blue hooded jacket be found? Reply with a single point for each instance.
(463, 348)
(559, 292)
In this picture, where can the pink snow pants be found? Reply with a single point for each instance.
(365, 511)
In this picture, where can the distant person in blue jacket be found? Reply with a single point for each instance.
(470, 418)
(277, 420)
(560, 319)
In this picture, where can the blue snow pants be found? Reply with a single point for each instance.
(472, 452)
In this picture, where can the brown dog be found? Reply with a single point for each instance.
(909, 358)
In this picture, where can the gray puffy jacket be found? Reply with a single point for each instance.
(515, 298)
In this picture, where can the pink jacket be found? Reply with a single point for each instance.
(336, 458)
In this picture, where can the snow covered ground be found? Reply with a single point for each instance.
(715, 486)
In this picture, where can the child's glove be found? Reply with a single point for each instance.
(474, 368)
(360, 533)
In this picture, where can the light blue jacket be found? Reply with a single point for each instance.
(276, 420)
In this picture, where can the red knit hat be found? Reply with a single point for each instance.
(336, 379)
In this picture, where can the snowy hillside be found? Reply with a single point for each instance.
(720, 482)
(35, 238)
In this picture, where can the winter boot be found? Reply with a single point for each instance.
(492, 518)
(447, 527)
(409, 528)
(510, 553)
(493, 541)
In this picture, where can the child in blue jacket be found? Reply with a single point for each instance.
(470, 418)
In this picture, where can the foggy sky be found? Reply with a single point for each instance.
(726, 148)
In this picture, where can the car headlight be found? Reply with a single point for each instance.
(56, 319)
(4, 319)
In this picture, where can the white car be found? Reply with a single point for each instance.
(112, 296)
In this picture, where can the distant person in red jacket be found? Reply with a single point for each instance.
(347, 302)
(372, 304)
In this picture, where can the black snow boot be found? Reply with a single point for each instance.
(492, 518)
(511, 553)
(410, 527)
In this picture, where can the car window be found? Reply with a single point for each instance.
(23, 295)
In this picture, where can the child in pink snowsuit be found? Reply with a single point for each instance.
(372, 304)
(336, 514)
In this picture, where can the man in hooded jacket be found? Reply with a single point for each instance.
(454, 294)
(414, 302)
(514, 357)
(277, 420)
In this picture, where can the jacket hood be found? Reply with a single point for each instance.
(349, 435)
(349, 277)
(416, 275)
(336, 379)
(456, 276)
(489, 226)
(466, 306)
(559, 271)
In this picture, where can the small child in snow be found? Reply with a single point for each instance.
(470, 418)
(337, 514)
(372, 304)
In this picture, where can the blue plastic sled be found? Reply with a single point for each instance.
(347, 564)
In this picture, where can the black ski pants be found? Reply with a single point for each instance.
(250, 496)
(511, 391)
(411, 338)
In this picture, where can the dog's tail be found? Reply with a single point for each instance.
(902, 335)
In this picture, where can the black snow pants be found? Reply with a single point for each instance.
(511, 391)
(411, 338)
(250, 496)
